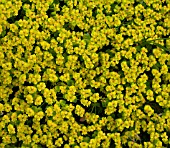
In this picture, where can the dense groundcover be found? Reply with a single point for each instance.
(84, 73)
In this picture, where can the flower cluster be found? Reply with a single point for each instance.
(82, 74)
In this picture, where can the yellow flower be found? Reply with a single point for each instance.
(11, 129)
(14, 117)
(22, 118)
(49, 111)
(1, 108)
(67, 146)
(119, 122)
(95, 97)
(35, 138)
(30, 112)
(6, 139)
(43, 139)
(31, 89)
(29, 99)
(38, 100)
(150, 95)
(84, 145)
(158, 143)
(79, 110)
(155, 73)
(164, 69)
(159, 99)
(148, 110)
(49, 100)
(41, 86)
(40, 114)
(22, 78)
(53, 78)
(7, 66)
(50, 143)
(164, 137)
(7, 107)
(85, 102)
(59, 142)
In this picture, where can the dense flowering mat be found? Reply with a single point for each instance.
(84, 73)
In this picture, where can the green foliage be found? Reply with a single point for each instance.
(84, 73)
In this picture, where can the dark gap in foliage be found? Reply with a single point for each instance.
(76, 117)
(77, 29)
(19, 143)
(14, 90)
(29, 122)
(168, 134)
(59, 96)
(28, 84)
(4, 33)
(43, 120)
(20, 16)
(49, 12)
(117, 69)
(48, 84)
(54, 34)
(62, 3)
(42, 146)
(44, 104)
(94, 12)
(112, 144)
(144, 136)
(67, 26)
(163, 81)
(116, 114)
(26, 2)
(106, 49)
(96, 108)
(40, 28)
(157, 108)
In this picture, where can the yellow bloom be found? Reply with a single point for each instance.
(148, 110)
(36, 138)
(7, 66)
(30, 112)
(164, 69)
(6, 139)
(38, 100)
(49, 100)
(1, 108)
(11, 129)
(43, 139)
(49, 111)
(7, 107)
(22, 78)
(95, 97)
(29, 99)
(31, 89)
(79, 110)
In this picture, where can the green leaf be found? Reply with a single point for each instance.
(160, 46)
(3, 33)
(62, 103)
(57, 88)
(97, 104)
(93, 90)
(75, 100)
(87, 37)
(94, 134)
(86, 139)
(70, 82)
(104, 104)
(158, 39)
